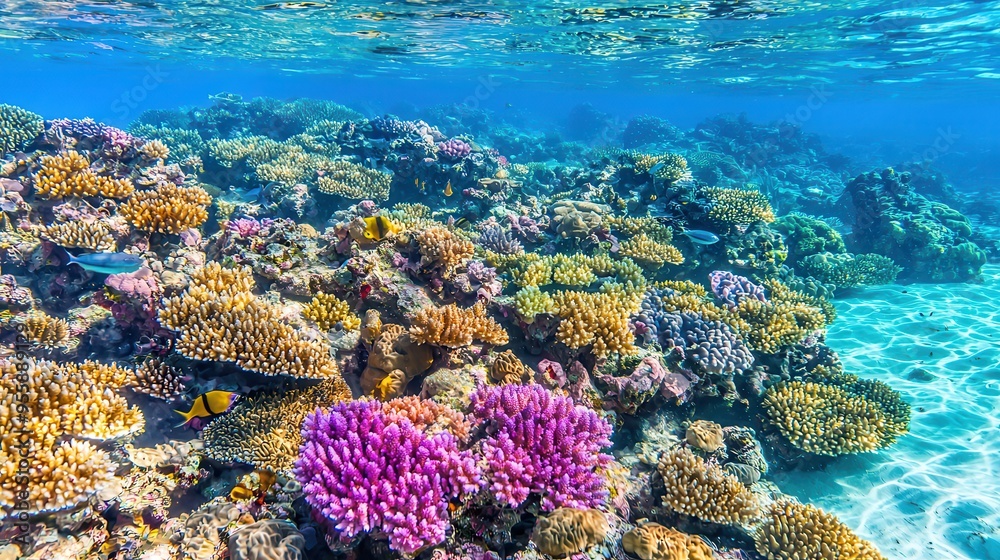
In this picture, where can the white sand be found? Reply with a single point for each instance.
(936, 493)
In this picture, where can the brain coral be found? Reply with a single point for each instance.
(704, 492)
(267, 539)
(568, 531)
(167, 209)
(793, 531)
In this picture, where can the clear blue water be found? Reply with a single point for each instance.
(909, 83)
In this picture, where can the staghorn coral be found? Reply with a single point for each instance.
(69, 174)
(652, 541)
(350, 180)
(704, 492)
(568, 531)
(157, 379)
(442, 250)
(540, 443)
(793, 531)
(326, 310)
(650, 253)
(267, 539)
(454, 327)
(18, 127)
(167, 209)
(506, 368)
(828, 420)
(739, 207)
(598, 319)
(218, 318)
(264, 430)
(849, 271)
(85, 234)
(366, 471)
(705, 435)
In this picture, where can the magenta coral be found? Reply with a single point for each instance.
(454, 148)
(366, 471)
(244, 227)
(541, 443)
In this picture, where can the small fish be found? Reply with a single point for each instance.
(447, 189)
(378, 227)
(207, 405)
(657, 167)
(107, 263)
(462, 222)
(701, 237)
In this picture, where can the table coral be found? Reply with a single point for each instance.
(568, 531)
(650, 253)
(167, 209)
(793, 531)
(652, 541)
(540, 443)
(454, 326)
(219, 318)
(848, 270)
(367, 471)
(704, 491)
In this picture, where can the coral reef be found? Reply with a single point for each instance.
(167, 209)
(793, 531)
(454, 327)
(704, 491)
(568, 531)
(652, 541)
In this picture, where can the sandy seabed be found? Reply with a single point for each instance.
(936, 493)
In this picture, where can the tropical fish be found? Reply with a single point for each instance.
(378, 227)
(447, 189)
(701, 237)
(462, 222)
(107, 263)
(208, 404)
(659, 165)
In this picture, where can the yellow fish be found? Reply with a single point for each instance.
(206, 405)
(447, 189)
(378, 227)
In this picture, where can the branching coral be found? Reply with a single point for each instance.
(155, 149)
(69, 174)
(44, 330)
(704, 492)
(219, 318)
(669, 167)
(440, 249)
(827, 420)
(793, 531)
(531, 301)
(652, 541)
(541, 443)
(167, 209)
(157, 379)
(369, 471)
(264, 430)
(650, 253)
(738, 206)
(599, 319)
(849, 271)
(454, 327)
(85, 234)
(17, 127)
(326, 310)
(429, 416)
(350, 180)
(776, 325)
(568, 531)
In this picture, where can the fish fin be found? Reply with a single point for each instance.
(188, 416)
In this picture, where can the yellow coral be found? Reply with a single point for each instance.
(44, 330)
(441, 248)
(531, 301)
(650, 253)
(793, 531)
(86, 234)
(167, 209)
(598, 319)
(220, 319)
(326, 310)
(568, 531)
(652, 541)
(68, 174)
(704, 492)
(454, 327)
(351, 180)
(59, 478)
(739, 206)
(155, 149)
(775, 325)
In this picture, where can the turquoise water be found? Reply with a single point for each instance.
(775, 219)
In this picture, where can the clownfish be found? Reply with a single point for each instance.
(207, 405)
(378, 227)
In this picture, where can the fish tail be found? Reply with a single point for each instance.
(187, 416)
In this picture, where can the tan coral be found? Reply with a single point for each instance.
(442, 249)
(568, 531)
(598, 319)
(739, 206)
(59, 478)
(157, 379)
(793, 531)
(327, 310)
(350, 180)
(454, 327)
(267, 539)
(68, 174)
(429, 416)
(219, 318)
(577, 219)
(155, 149)
(507, 368)
(85, 234)
(652, 541)
(167, 209)
(705, 435)
(395, 359)
(650, 253)
(44, 330)
(704, 492)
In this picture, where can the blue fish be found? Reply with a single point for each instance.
(657, 167)
(701, 237)
(108, 263)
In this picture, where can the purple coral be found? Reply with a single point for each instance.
(704, 346)
(732, 289)
(77, 128)
(455, 148)
(141, 283)
(494, 238)
(541, 443)
(244, 227)
(366, 471)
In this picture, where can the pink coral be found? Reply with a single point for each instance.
(140, 283)
(455, 148)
